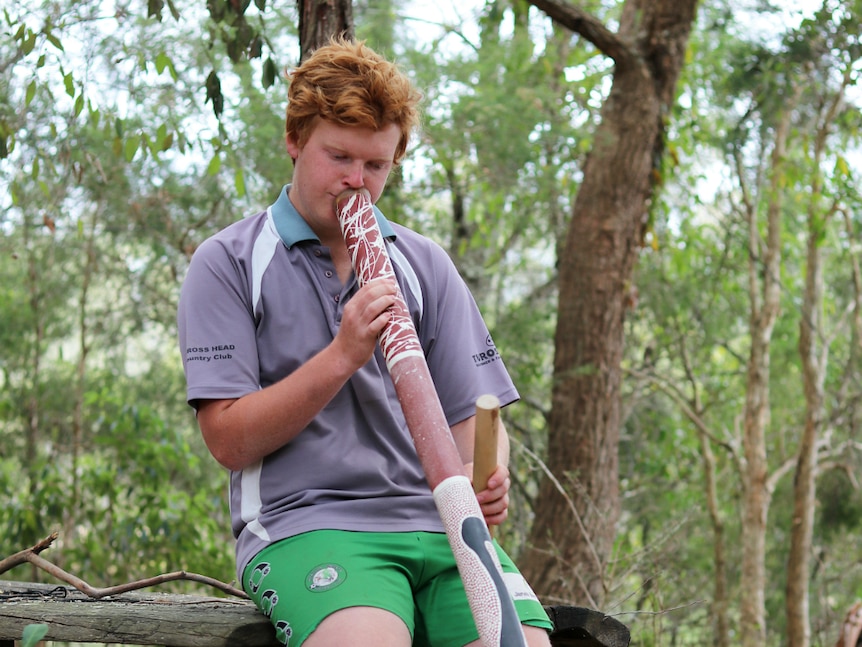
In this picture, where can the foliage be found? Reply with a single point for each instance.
(109, 190)
(688, 345)
(117, 168)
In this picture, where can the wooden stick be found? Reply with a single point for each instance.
(485, 451)
(485, 456)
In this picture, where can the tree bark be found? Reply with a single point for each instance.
(814, 353)
(321, 20)
(720, 597)
(764, 294)
(573, 533)
(804, 486)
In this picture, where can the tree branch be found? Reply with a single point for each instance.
(31, 555)
(586, 25)
(575, 514)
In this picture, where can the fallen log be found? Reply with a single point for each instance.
(201, 621)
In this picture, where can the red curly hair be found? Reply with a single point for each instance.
(349, 84)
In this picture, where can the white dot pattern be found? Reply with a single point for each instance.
(456, 502)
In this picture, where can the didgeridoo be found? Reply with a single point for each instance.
(492, 607)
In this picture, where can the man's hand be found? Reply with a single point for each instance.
(364, 318)
(494, 499)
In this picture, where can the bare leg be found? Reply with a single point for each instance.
(360, 627)
(536, 637)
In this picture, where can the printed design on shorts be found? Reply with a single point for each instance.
(255, 579)
(325, 577)
(267, 602)
(283, 632)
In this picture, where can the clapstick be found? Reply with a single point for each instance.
(485, 444)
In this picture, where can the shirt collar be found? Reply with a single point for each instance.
(293, 229)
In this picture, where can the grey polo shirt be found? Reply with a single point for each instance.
(261, 298)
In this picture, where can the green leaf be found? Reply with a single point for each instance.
(54, 41)
(162, 61)
(269, 72)
(167, 141)
(214, 165)
(69, 82)
(154, 9)
(32, 634)
(239, 182)
(31, 92)
(841, 166)
(213, 88)
(28, 43)
(130, 147)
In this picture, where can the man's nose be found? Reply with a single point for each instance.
(355, 176)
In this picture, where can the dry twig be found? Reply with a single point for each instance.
(32, 556)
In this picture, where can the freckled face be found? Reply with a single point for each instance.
(336, 158)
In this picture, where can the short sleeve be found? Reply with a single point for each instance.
(462, 357)
(216, 326)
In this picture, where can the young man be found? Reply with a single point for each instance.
(339, 541)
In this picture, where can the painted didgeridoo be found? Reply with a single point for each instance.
(490, 603)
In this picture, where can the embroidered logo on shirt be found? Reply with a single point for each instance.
(325, 577)
(487, 356)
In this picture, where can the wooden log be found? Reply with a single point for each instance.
(133, 618)
(200, 621)
(580, 627)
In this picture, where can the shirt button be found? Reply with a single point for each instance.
(337, 298)
(317, 252)
(328, 274)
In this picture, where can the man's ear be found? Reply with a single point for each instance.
(292, 146)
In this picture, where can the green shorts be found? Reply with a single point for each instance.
(299, 581)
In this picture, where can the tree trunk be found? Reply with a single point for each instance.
(764, 294)
(573, 533)
(31, 396)
(802, 525)
(321, 20)
(720, 598)
(814, 356)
